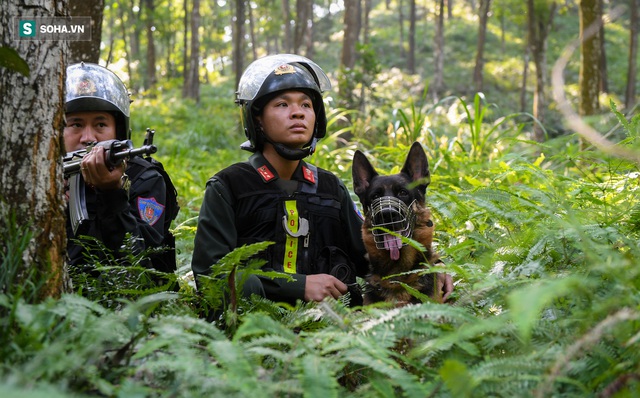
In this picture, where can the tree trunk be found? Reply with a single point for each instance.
(540, 20)
(150, 79)
(411, 55)
(134, 56)
(604, 84)
(525, 76)
(286, 16)
(32, 114)
(300, 30)
(485, 5)
(351, 33)
(87, 50)
(630, 97)
(125, 43)
(438, 75)
(311, 30)
(185, 46)
(589, 58)
(401, 29)
(238, 40)
(112, 38)
(192, 82)
(252, 34)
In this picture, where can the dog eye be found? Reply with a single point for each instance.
(403, 192)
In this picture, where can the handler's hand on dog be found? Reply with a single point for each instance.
(444, 285)
(320, 286)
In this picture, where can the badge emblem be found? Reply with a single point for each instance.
(150, 210)
(284, 69)
(86, 87)
(265, 173)
(308, 175)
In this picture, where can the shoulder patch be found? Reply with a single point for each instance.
(357, 210)
(150, 210)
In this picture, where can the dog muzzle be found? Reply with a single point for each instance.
(394, 215)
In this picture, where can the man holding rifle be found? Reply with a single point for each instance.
(126, 198)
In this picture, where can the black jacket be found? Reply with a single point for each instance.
(113, 214)
(246, 203)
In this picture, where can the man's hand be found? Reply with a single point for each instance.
(444, 286)
(96, 173)
(320, 286)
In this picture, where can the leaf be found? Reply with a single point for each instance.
(527, 303)
(10, 59)
(457, 378)
(317, 379)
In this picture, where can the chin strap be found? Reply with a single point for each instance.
(293, 153)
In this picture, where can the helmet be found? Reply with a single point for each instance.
(269, 75)
(91, 87)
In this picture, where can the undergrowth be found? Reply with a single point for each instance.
(542, 241)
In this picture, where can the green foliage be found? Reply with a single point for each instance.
(541, 240)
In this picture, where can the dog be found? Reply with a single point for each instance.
(397, 203)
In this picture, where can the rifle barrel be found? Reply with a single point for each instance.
(73, 167)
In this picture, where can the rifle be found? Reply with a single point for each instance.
(116, 152)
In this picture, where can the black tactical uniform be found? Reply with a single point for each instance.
(246, 202)
(310, 217)
(139, 212)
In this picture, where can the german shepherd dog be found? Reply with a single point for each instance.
(397, 203)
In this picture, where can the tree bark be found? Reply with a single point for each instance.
(401, 28)
(438, 75)
(185, 46)
(87, 50)
(31, 145)
(351, 33)
(411, 55)
(604, 83)
(300, 30)
(485, 5)
(192, 82)
(286, 16)
(540, 20)
(238, 40)
(150, 79)
(630, 97)
(589, 58)
(310, 30)
(252, 34)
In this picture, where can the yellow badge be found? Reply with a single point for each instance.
(284, 69)
(86, 87)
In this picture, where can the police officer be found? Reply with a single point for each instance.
(125, 199)
(277, 196)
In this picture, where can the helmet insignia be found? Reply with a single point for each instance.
(284, 69)
(86, 87)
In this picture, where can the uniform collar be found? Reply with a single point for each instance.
(305, 172)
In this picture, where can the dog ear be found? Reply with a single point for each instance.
(362, 173)
(417, 166)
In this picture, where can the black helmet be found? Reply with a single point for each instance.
(267, 76)
(91, 87)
